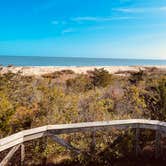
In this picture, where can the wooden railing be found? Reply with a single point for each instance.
(16, 141)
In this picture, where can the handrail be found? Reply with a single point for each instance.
(31, 134)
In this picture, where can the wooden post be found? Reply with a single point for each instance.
(137, 147)
(9, 155)
(93, 143)
(157, 141)
(22, 154)
(161, 145)
(64, 143)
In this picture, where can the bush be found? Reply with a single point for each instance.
(155, 98)
(81, 83)
(137, 77)
(6, 111)
(100, 77)
(57, 74)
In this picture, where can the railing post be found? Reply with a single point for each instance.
(63, 143)
(93, 143)
(22, 154)
(7, 158)
(137, 134)
(157, 142)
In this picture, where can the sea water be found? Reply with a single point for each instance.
(70, 61)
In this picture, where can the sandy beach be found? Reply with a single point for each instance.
(40, 70)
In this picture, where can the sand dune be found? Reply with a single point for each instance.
(40, 70)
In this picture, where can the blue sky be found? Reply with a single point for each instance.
(83, 28)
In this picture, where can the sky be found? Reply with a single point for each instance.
(84, 28)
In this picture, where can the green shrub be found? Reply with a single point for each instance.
(81, 83)
(137, 77)
(57, 74)
(6, 111)
(100, 77)
(155, 98)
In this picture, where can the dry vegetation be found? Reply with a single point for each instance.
(66, 97)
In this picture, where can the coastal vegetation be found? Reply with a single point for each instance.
(67, 97)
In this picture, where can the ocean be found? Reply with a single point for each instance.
(70, 61)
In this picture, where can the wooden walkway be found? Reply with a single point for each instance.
(16, 141)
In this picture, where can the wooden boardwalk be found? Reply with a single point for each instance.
(16, 141)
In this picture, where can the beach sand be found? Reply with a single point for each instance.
(41, 70)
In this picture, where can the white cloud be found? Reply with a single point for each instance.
(141, 10)
(100, 19)
(69, 30)
(60, 22)
(85, 18)
(163, 8)
(130, 10)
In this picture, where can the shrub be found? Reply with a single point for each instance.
(6, 111)
(57, 74)
(137, 77)
(100, 77)
(81, 83)
(155, 98)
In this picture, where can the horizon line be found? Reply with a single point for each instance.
(40, 56)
